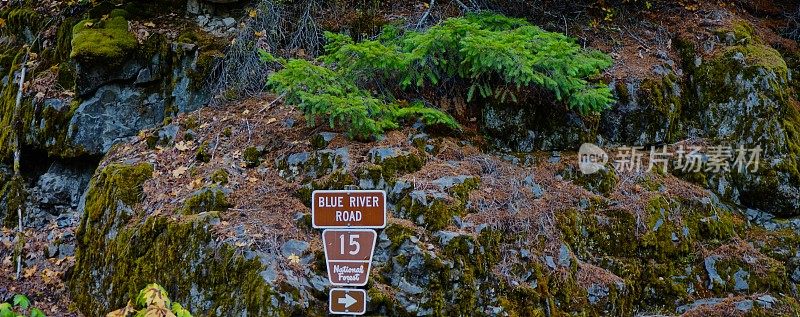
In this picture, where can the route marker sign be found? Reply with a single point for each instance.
(348, 209)
(348, 255)
(347, 301)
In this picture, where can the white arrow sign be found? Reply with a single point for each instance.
(347, 301)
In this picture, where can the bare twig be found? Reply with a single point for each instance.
(272, 103)
(425, 15)
(18, 154)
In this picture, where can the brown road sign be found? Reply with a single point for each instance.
(347, 301)
(348, 209)
(348, 254)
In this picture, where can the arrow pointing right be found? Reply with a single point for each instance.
(347, 300)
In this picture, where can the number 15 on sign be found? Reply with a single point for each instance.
(349, 255)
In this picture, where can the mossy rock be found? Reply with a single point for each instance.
(203, 153)
(106, 41)
(251, 157)
(117, 256)
(338, 180)
(536, 126)
(12, 196)
(212, 198)
(23, 22)
(654, 251)
(730, 267)
(648, 111)
(395, 162)
(603, 182)
(41, 126)
(435, 210)
(312, 165)
(744, 98)
(220, 177)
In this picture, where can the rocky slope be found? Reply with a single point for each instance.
(129, 180)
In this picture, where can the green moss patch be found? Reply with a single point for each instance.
(207, 199)
(102, 41)
(251, 157)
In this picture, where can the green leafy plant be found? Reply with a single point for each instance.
(20, 306)
(496, 57)
(153, 300)
(322, 92)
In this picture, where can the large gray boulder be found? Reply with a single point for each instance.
(114, 114)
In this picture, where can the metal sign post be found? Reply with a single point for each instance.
(348, 217)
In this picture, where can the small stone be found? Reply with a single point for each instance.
(64, 220)
(710, 265)
(192, 7)
(745, 305)
(446, 236)
(766, 301)
(52, 250)
(56, 104)
(583, 203)
(295, 247)
(239, 230)
(658, 224)
(564, 258)
(448, 182)
(528, 180)
(229, 22)
(740, 278)
(457, 221)
(202, 20)
(554, 158)
(537, 190)
(66, 249)
(319, 283)
(550, 262)
(796, 275)
(597, 292)
(144, 76)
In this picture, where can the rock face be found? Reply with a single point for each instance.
(471, 232)
(61, 187)
(174, 252)
(113, 114)
(647, 111)
(528, 128)
(739, 95)
(744, 99)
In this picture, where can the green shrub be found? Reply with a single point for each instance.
(494, 56)
(153, 300)
(20, 306)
